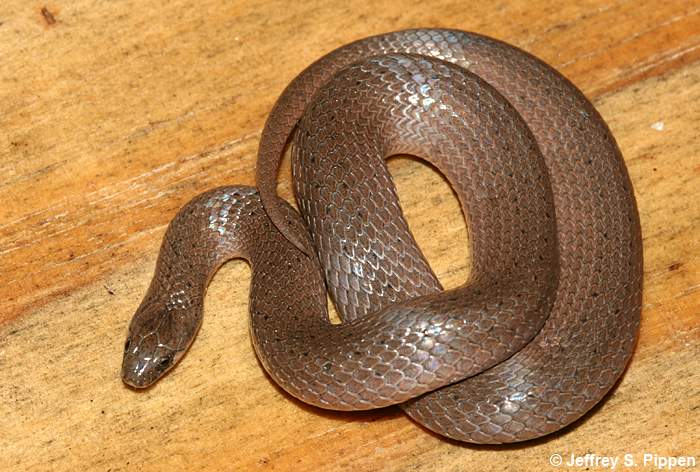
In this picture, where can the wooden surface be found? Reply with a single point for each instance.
(114, 114)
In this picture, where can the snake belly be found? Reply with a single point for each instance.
(548, 319)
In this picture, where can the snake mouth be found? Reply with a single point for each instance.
(135, 374)
(135, 384)
(142, 371)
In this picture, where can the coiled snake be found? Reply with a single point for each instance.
(549, 318)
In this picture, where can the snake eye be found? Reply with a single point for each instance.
(127, 344)
(164, 361)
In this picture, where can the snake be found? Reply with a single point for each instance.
(548, 318)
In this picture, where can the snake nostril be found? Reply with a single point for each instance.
(127, 344)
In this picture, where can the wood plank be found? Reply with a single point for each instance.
(114, 114)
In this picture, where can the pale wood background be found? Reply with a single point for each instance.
(114, 114)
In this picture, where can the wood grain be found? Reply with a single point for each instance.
(114, 114)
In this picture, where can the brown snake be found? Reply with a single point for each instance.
(550, 315)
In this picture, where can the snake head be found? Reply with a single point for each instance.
(159, 334)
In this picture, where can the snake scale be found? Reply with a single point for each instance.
(549, 317)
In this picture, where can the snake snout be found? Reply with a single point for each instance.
(142, 367)
(160, 331)
(147, 357)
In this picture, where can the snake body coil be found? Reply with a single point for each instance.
(547, 321)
